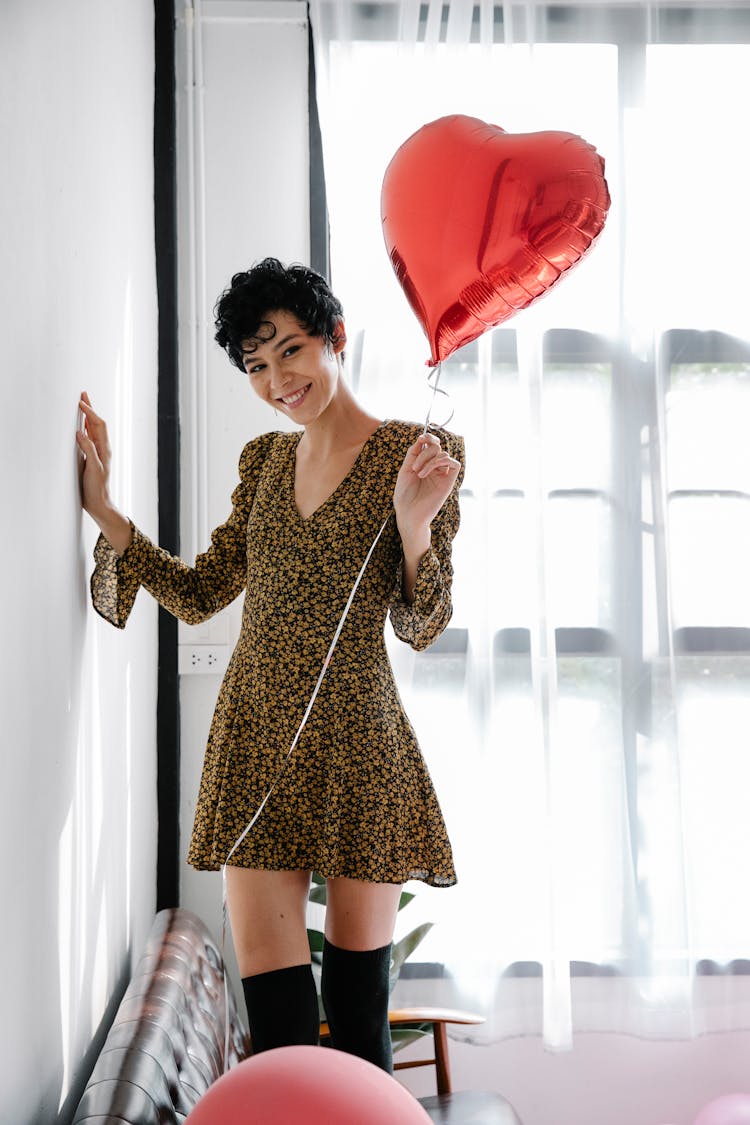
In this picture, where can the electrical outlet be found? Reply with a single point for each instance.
(202, 659)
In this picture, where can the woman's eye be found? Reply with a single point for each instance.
(291, 350)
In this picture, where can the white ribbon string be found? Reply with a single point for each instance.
(436, 390)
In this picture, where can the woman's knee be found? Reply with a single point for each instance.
(267, 911)
(359, 915)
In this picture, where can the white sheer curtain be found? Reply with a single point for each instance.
(586, 717)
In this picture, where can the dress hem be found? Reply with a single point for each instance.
(326, 872)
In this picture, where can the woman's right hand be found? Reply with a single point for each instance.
(94, 445)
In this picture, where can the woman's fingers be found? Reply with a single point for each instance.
(92, 418)
(93, 478)
(95, 428)
(88, 447)
(440, 463)
(421, 452)
(93, 424)
(428, 456)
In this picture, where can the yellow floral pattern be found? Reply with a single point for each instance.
(355, 799)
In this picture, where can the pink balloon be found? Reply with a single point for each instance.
(314, 1085)
(730, 1109)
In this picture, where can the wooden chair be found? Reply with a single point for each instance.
(447, 1107)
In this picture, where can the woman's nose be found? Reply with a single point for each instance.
(279, 380)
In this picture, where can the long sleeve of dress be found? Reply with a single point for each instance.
(192, 593)
(421, 622)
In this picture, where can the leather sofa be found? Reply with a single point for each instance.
(167, 1043)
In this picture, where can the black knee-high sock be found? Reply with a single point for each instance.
(282, 1008)
(355, 991)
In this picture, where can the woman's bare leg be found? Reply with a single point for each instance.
(267, 911)
(361, 915)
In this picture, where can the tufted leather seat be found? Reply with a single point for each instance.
(166, 1045)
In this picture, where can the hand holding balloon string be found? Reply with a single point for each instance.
(423, 484)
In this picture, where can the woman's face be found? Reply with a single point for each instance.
(291, 370)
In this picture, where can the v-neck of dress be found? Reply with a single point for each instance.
(292, 475)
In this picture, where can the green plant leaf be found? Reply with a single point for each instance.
(402, 1036)
(319, 893)
(316, 939)
(404, 948)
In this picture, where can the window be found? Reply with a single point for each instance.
(585, 714)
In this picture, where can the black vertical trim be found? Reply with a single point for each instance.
(320, 251)
(165, 235)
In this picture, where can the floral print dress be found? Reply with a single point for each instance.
(355, 797)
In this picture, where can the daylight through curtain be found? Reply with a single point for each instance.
(586, 715)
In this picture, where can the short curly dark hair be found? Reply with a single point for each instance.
(270, 286)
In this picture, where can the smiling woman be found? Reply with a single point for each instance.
(299, 374)
(349, 795)
(285, 364)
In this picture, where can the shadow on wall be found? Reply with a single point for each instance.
(78, 305)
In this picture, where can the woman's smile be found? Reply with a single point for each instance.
(295, 398)
(293, 370)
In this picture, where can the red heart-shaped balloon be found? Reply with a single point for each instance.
(478, 222)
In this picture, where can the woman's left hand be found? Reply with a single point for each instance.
(423, 484)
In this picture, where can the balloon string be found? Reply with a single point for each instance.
(436, 390)
(279, 773)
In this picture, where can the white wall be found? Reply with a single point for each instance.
(78, 310)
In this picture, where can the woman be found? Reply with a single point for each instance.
(354, 800)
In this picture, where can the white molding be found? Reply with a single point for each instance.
(254, 11)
